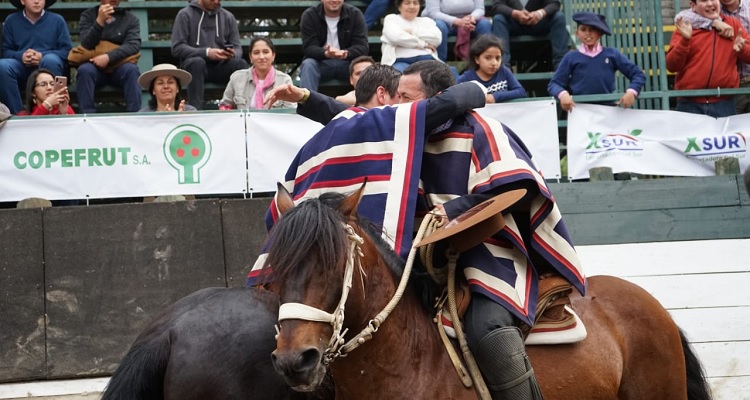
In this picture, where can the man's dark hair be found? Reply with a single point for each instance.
(374, 76)
(358, 60)
(436, 76)
(479, 46)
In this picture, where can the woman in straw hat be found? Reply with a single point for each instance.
(164, 82)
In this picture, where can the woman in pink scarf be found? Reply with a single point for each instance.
(247, 87)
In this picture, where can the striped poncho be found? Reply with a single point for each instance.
(475, 158)
(458, 167)
(384, 145)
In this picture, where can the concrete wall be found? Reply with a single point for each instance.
(78, 283)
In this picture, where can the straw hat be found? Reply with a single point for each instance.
(164, 69)
(476, 224)
(17, 4)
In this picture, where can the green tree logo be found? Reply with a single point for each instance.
(187, 149)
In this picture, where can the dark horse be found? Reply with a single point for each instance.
(213, 344)
(633, 350)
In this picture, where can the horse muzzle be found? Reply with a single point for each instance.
(302, 370)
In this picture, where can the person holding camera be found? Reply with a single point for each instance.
(206, 40)
(46, 94)
(33, 38)
(114, 34)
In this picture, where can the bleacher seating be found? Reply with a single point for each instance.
(638, 31)
(277, 19)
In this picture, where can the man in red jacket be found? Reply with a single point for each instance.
(703, 59)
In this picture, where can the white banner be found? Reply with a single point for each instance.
(535, 122)
(272, 142)
(652, 141)
(122, 156)
(193, 153)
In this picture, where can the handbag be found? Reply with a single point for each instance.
(79, 55)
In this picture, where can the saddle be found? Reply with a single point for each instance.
(555, 321)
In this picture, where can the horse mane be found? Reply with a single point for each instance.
(315, 224)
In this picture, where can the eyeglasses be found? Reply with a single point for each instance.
(44, 84)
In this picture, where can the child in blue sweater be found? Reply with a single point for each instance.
(486, 66)
(591, 69)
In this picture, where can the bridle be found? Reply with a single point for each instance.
(336, 319)
(337, 346)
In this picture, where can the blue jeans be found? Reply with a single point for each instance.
(13, 75)
(374, 12)
(554, 26)
(312, 71)
(125, 76)
(483, 26)
(722, 108)
(402, 63)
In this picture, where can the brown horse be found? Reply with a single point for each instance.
(633, 350)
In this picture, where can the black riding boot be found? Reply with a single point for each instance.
(501, 356)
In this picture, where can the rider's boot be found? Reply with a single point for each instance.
(501, 356)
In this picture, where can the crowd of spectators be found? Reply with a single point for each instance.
(205, 43)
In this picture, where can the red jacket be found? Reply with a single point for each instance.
(706, 61)
(40, 110)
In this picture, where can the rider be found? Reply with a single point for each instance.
(466, 161)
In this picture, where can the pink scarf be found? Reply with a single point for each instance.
(268, 82)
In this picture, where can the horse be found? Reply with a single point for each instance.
(215, 343)
(633, 350)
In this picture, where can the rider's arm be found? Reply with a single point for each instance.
(320, 108)
(453, 102)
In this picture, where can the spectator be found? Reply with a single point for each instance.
(109, 23)
(407, 37)
(457, 17)
(731, 8)
(374, 11)
(703, 59)
(486, 67)
(42, 98)
(530, 17)
(164, 82)
(333, 34)
(206, 40)
(356, 67)
(32, 38)
(247, 87)
(591, 69)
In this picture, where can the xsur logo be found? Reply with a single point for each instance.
(732, 144)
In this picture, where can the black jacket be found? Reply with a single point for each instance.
(352, 32)
(450, 103)
(124, 30)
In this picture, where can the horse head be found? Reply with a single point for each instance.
(318, 251)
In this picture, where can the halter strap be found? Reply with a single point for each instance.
(304, 312)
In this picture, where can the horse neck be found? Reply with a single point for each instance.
(405, 355)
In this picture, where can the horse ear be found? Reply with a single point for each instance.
(284, 201)
(348, 207)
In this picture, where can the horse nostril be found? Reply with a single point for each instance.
(309, 359)
(296, 363)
